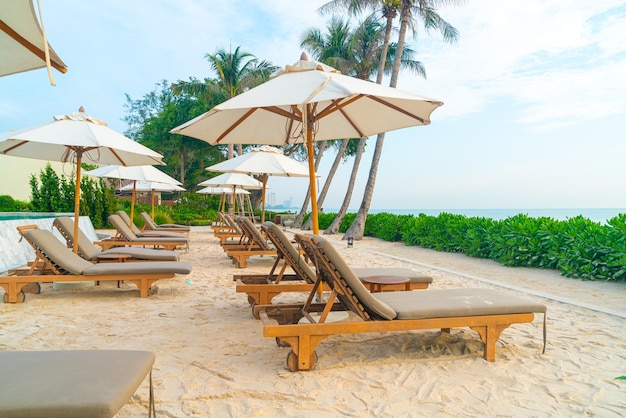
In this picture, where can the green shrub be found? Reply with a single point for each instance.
(7, 204)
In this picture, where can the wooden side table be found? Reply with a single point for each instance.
(376, 283)
(112, 258)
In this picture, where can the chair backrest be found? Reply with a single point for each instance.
(128, 222)
(252, 233)
(231, 223)
(288, 252)
(148, 221)
(86, 248)
(335, 272)
(122, 228)
(55, 252)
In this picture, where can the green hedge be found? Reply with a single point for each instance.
(578, 247)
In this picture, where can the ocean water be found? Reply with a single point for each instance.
(594, 214)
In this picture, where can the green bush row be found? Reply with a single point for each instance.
(578, 247)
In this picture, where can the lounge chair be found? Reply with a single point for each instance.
(261, 288)
(255, 244)
(232, 234)
(486, 311)
(72, 383)
(65, 266)
(221, 224)
(145, 234)
(151, 225)
(91, 252)
(125, 237)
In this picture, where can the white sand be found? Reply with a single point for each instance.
(212, 360)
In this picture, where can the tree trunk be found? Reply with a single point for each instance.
(357, 228)
(334, 226)
(331, 174)
(182, 167)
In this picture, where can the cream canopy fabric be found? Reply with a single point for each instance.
(76, 138)
(262, 160)
(265, 161)
(152, 186)
(22, 40)
(140, 173)
(233, 179)
(308, 102)
(146, 173)
(60, 139)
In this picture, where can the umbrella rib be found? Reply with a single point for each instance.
(396, 108)
(337, 105)
(6, 151)
(117, 156)
(32, 48)
(356, 128)
(236, 124)
(282, 112)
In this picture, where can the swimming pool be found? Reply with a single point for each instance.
(11, 216)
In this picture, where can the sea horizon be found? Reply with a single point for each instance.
(594, 214)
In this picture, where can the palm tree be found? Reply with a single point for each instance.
(238, 71)
(332, 48)
(426, 11)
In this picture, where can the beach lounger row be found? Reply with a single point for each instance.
(262, 288)
(54, 262)
(486, 311)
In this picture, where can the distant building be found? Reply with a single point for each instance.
(15, 174)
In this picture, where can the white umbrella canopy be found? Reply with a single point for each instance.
(305, 102)
(234, 181)
(23, 44)
(151, 186)
(221, 190)
(72, 138)
(265, 161)
(141, 173)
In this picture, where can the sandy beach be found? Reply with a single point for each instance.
(212, 358)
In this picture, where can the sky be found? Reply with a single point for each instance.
(534, 92)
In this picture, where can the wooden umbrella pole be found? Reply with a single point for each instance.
(152, 193)
(79, 157)
(311, 154)
(132, 203)
(263, 198)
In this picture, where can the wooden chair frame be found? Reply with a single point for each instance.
(281, 322)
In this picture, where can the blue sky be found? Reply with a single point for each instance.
(534, 93)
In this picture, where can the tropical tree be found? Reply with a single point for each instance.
(332, 48)
(411, 10)
(237, 71)
(152, 117)
(359, 53)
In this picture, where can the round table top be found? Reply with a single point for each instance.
(385, 279)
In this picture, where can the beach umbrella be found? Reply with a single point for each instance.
(221, 190)
(264, 161)
(305, 102)
(145, 173)
(232, 181)
(151, 186)
(76, 138)
(23, 44)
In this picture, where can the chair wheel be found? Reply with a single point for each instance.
(292, 361)
(21, 297)
(34, 288)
